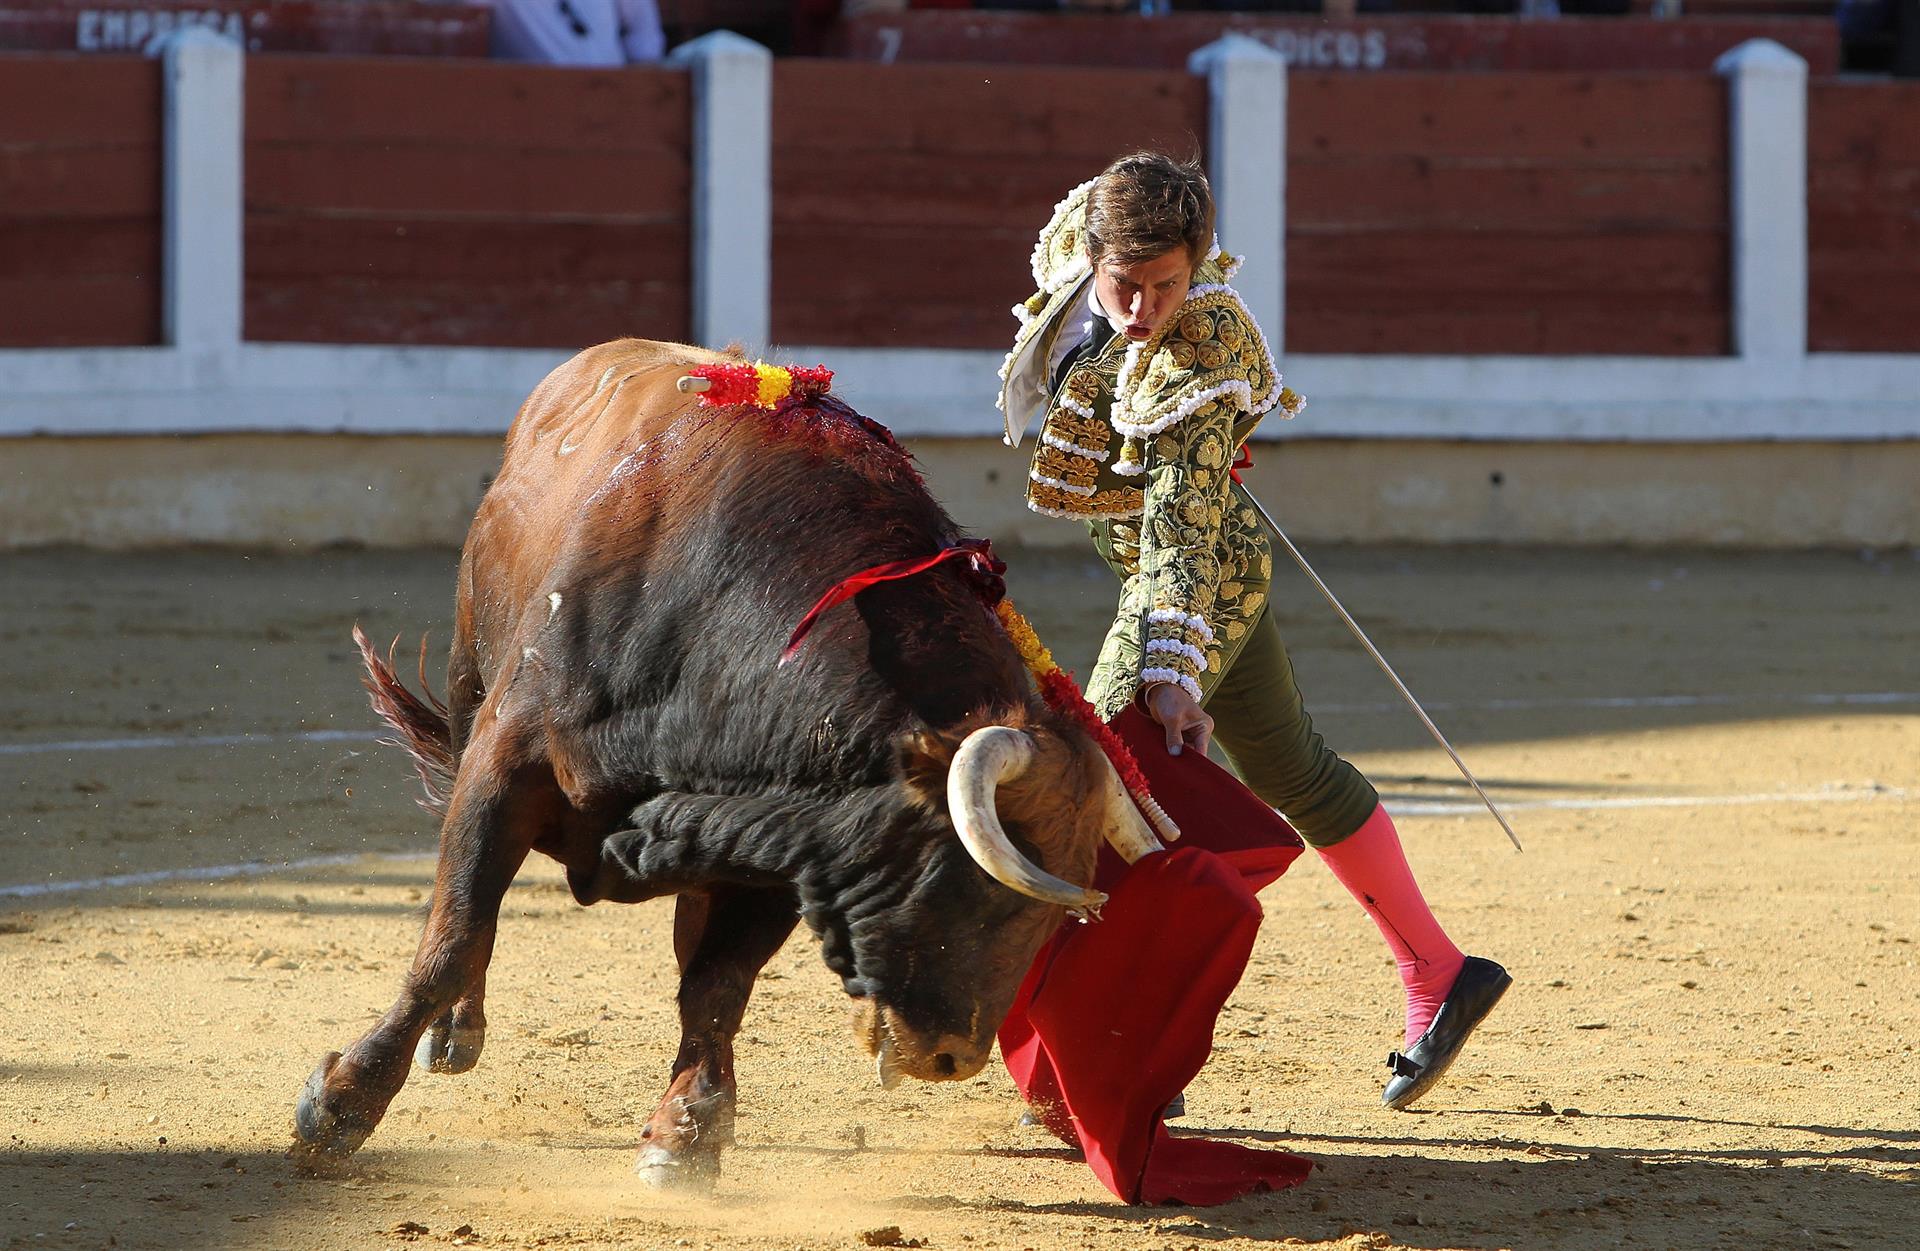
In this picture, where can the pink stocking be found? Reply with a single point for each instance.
(1373, 868)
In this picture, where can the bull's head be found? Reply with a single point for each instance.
(1014, 820)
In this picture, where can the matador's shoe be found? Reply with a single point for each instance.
(1475, 991)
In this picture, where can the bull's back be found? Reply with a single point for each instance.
(575, 434)
(631, 527)
(595, 403)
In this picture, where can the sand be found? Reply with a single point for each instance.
(1713, 758)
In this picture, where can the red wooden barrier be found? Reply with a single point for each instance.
(1863, 217)
(1511, 213)
(906, 198)
(79, 201)
(465, 203)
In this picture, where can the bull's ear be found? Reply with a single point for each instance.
(925, 757)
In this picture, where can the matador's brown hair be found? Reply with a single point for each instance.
(1145, 205)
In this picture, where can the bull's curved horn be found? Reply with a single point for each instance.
(1127, 831)
(989, 756)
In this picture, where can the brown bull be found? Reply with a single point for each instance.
(615, 699)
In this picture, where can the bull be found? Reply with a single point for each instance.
(615, 700)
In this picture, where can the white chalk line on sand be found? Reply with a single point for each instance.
(207, 873)
(1415, 808)
(1829, 795)
(1858, 699)
(190, 740)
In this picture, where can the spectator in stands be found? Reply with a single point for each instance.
(578, 32)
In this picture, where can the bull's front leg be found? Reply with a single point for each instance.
(452, 1043)
(722, 939)
(493, 819)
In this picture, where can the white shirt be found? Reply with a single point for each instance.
(1072, 335)
(578, 32)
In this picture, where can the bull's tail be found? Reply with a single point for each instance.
(422, 724)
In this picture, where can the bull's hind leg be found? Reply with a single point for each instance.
(494, 818)
(452, 1043)
(723, 940)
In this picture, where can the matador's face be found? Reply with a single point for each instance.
(1139, 298)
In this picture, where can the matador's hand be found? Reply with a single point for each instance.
(1181, 716)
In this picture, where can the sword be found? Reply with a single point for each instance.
(1385, 668)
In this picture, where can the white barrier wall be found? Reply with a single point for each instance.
(206, 380)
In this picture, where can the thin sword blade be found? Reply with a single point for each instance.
(1386, 668)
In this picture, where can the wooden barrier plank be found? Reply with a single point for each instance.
(492, 104)
(79, 201)
(1509, 116)
(1508, 330)
(1415, 192)
(88, 310)
(531, 251)
(930, 263)
(915, 188)
(1863, 216)
(559, 314)
(464, 203)
(1874, 121)
(471, 180)
(60, 100)
(82, 247)
(905, 200)
(524, 283)
(106, 180)
(1084, 115)
(835, 323)
(897, 278)
(1507, 213)
(1511, 266)
(1659, 293)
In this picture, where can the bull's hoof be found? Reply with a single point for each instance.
(449, 1048)
(685, 1173)
(325, 1133)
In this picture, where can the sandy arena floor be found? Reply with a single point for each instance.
(1714, 760)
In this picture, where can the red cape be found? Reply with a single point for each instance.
(1116, 1017)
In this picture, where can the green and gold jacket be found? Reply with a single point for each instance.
(1137, 441)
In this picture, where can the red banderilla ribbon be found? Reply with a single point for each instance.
(978, 553)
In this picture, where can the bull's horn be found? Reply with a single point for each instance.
(989, 756)
(1127, 830)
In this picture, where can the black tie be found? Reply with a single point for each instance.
(1081, 351)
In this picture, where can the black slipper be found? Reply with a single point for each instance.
(1475, 991)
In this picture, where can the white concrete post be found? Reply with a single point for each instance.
(1767, 170)
(201, 199)
(1247, 164)
(732, 188)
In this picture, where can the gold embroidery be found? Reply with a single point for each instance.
(1051, 462)
(1083, 385)
(1070, 427)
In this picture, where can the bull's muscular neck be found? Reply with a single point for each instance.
(820, 843)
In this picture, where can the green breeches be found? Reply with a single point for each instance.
(1260, 720)
(1262, 724)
